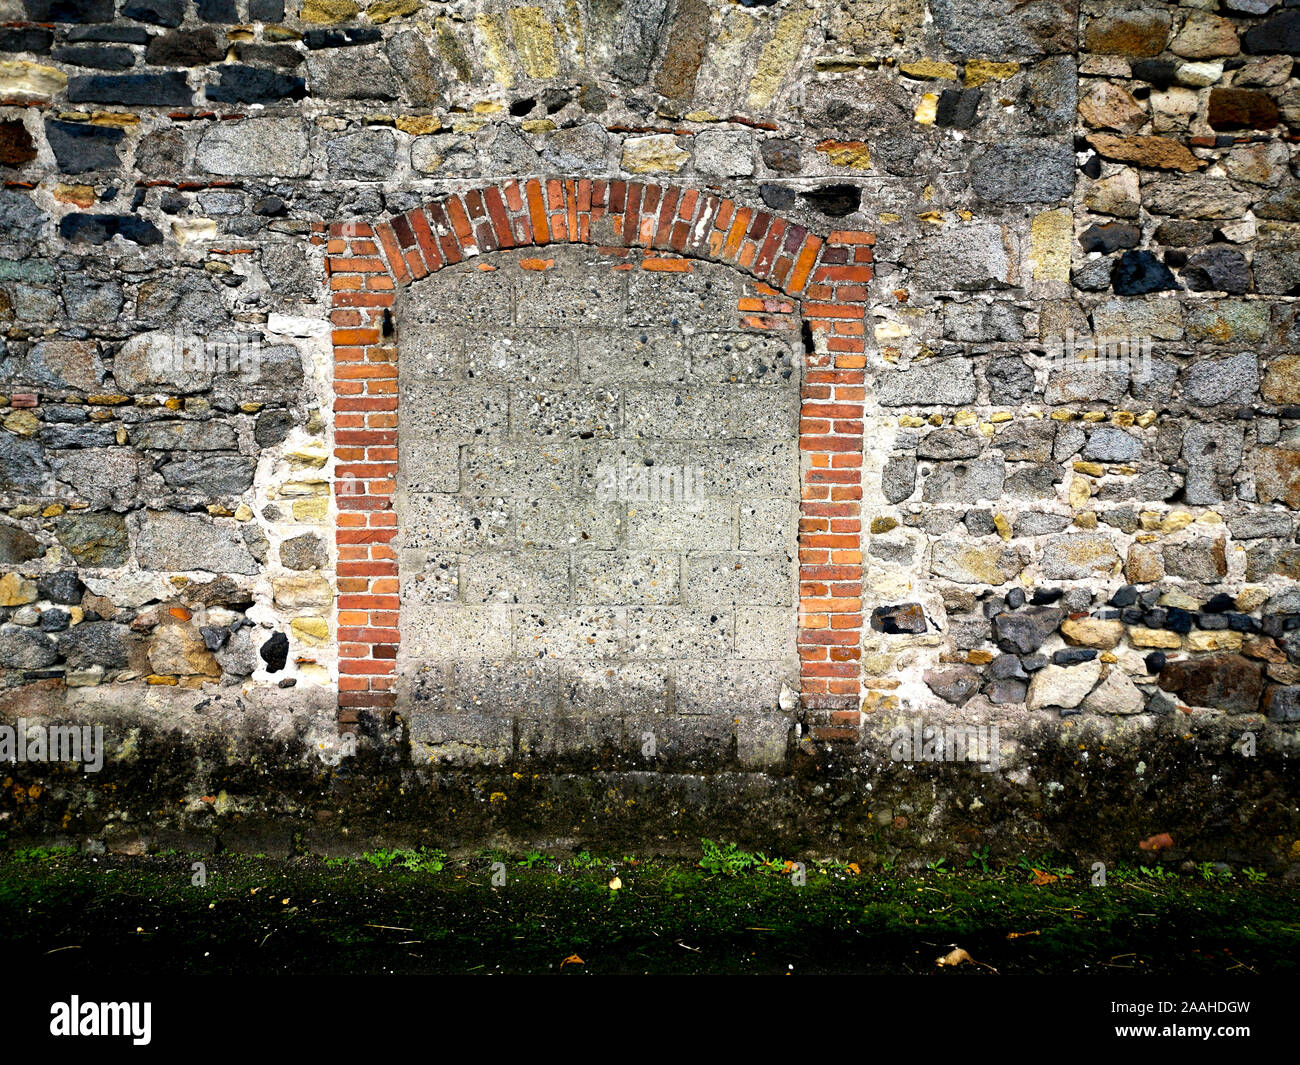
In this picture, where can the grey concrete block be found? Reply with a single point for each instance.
(620, 577)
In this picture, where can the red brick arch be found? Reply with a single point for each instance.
(366, 263)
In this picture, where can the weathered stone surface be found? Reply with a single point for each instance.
(1241, 109)
(1202, 559)
(1024, 631)
(655, 154)
(256, 147)
(688, 40)
(305, 551)
(1231, 380)
(93, 539)
(352, 74)
(1079, 556)
(1063, 687)
(57, 364)
(184, 436)
(179, 650)
(975, 565)
(1218, 268)
(965, 481)
(1227, 682)
(904, 618)
(1138, 272)
(1026, 172)
(1107, 444)
(26, 648)
(1143, 565)
(96, 643)
(369, 153)
(18, 545)
(299, 592)
(1003, 30)
(165, 540)
(1131, 33)
(968, 257)
(898, 480)
(163, 361)
(1116, 694)
(1161, 153)
(954, 685)
(949, 382)
(212, 475)
(1108, 106)
(1277, 475)
(1092, 632)
(1277, 33)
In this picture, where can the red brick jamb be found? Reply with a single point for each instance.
(366, 264)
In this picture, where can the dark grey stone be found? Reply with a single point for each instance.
(80, 147)
(1025, 630)
(96, 643)
(1039, 171)
(215, 475)
(22, 647)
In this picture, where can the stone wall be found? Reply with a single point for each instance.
(1050, 286)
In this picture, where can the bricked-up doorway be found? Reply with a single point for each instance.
(444, 529)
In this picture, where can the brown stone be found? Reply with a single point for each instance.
(1160, 153)
(1108, 106)
(1227, 682)
(1206, 36)
(1262, 647)
(16, 146)
(1144, 565)
(1241, 109)
(179, 650)
(1277, 476)
(687, 42)
(1136, 33)
(1282, 380)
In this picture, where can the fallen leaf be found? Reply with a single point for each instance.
(1158, 842)
(1042, 877)
(957, 956)
(1017, 935)
(572, 959)
(853, 868)
(615, 884)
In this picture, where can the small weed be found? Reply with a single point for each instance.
(423, 860)
(42, 854)
(1212, 875)
(1254, 875)
(727, 858)
(532, 860)
(979, 859)
(938, 866)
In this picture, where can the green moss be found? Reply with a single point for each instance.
(307, 915)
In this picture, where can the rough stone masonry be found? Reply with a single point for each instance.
(608, 422)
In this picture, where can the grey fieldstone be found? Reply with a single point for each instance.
(166, 540)
(26, 648)
(366, 154)
(306, 551)
(932, 382)
(256, 147)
